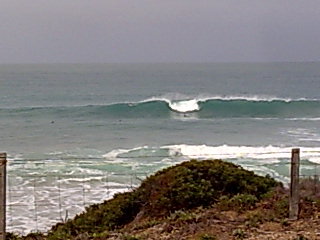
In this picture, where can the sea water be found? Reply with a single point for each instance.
(76, 134)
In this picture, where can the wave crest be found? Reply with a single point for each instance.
(185, 106)
(213, 107)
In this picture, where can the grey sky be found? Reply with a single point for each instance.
(159, 30)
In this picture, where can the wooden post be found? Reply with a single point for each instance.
(294, 185)
(3, 175)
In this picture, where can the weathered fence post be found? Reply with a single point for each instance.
(3, 173)
(294, 185)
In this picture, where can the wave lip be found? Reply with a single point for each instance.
(185, 106)
(205, 107)
(237, 106)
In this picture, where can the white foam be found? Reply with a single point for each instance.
(303, 119)
(177, 97)
(83, 179)
(300, 131)
(310, 139)
(273, 153)
(185, 106)
(116, 152)
(239, 152)
(144, 151)
(253, 98)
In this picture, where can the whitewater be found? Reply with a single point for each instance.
(77, 134)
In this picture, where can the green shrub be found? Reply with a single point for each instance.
(239, 202)
(12, 236)
(255, 218)
(187, 185)
(281, 208)
(182, 215)
(199, 183)
(100, 217)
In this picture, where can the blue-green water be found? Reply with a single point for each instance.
(137, 118)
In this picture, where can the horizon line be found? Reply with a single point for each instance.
(160, 62)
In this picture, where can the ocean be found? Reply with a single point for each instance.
(77, 133)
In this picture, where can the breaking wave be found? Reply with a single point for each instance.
(214, 107)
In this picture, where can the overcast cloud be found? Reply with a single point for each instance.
(42, 31)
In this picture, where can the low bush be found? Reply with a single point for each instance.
(239, 202)
(199, 183)
(185, 186)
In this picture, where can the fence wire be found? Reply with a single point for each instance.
(37, 205)
(35, 202)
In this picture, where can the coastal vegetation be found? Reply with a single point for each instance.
(205, 200)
